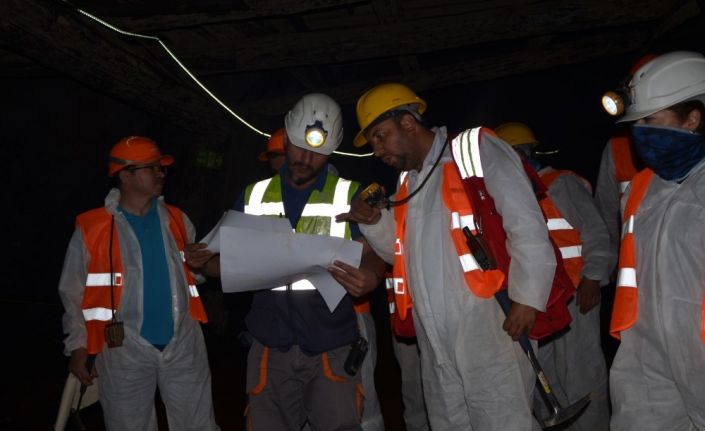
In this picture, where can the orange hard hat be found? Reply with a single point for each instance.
(135, 150)
(275, 145)
(641, 61)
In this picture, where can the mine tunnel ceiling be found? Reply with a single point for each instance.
(272, 51)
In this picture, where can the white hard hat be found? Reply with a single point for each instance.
(667, 80)
(315, 123)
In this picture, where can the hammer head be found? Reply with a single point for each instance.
(564, 414)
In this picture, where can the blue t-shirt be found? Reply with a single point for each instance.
(157, 320)
(283, 319)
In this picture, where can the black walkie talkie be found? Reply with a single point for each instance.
(356, 356)
(479, 250)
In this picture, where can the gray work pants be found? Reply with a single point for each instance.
(406, 351)
(286, 389)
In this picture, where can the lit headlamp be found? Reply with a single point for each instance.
(315, 134)
(614, 102)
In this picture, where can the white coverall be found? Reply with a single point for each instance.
(574, 363)
(474, 376)
(372, 419)
(657, 379)
(415, 413)
(607, 198)
(130, 374)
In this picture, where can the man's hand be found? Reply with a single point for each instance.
(77, 366)
(361, 212)
(357, 281)
(520, 320)
(197, 256)
(588, 294)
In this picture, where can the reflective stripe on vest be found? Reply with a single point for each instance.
(483, 284)
(97, 313)
(566, 237)
(402, 296)
(103, 279)
(298, 285)
(95, 226)
(390, 283)
(626, 301)
(466, 151)
(264, 199)
(257, 205)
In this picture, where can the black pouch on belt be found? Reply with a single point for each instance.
(357, 354)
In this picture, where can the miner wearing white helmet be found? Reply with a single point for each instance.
(295, 367)
(657, 380)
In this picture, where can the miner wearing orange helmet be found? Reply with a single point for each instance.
(274, 154)
(131, 303)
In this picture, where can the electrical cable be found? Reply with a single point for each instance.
(189, 73)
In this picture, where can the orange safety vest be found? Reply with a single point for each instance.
(361, 305)
(483, 284)
(626, 302)
(623, 158)
(566, 237)
(96, 229)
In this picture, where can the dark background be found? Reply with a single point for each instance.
(56, 133)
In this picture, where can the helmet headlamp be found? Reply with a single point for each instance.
(315, 134)
(613, 102)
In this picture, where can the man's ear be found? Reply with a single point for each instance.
(692, 122)
(122, 175)
(408, 123)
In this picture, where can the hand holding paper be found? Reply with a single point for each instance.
(263, 253)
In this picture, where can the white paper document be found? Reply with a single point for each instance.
(246, 221)
(263, 252)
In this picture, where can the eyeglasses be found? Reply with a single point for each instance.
(155, 168)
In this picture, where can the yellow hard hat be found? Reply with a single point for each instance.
(515, 133)
(380, 99)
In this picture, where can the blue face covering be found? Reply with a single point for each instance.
(670, 152)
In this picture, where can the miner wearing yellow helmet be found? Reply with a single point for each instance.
(573, 361)
(474, 375)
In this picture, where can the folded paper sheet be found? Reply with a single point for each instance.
(263, 253)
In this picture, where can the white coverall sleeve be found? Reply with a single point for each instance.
(533, 261)
(71, 287)
(607, 199)
(191, 236)
(381, 236)
(575, 203)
